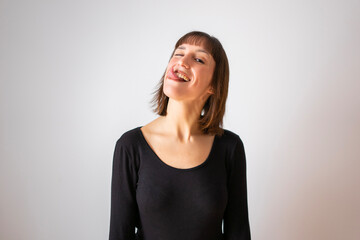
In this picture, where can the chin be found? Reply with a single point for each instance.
(173, 93)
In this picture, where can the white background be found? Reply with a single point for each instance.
(76, 74)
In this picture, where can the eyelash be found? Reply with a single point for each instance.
(196, 59)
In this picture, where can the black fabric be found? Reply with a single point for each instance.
(168, 203)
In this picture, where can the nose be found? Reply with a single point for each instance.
(183, 61)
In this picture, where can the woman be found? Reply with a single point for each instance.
(181, 175)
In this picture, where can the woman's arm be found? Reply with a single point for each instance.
(236, 220)
(124, 211)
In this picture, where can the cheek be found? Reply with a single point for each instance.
(167, 68)
(211, 73)
(172, 60)
(206, 74)
(170, 63)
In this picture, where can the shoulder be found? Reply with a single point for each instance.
(126, 148)
(234, 148)
(129, 139)
(231, 139)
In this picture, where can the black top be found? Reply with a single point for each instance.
(168, 203)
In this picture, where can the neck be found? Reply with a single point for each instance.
(181, 119)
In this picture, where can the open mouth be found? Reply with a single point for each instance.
(178, 76)
(183, 77)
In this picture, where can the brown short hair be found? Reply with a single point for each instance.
(211, 121)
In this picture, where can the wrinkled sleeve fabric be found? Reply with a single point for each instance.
(236, 220)
(124, 211)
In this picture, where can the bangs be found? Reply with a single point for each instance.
(198, 39)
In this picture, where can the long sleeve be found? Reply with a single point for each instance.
(236, 220)
(124, 211)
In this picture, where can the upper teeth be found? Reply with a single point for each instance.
(183, 77)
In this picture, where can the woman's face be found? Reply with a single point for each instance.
(189, 73)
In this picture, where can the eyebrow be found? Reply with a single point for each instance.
(199, 50)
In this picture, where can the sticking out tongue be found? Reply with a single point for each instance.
(175, 76)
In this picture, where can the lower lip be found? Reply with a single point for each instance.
(176, 80)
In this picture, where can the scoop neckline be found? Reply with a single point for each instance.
(175, 168)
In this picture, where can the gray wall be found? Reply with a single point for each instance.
(77, 74)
